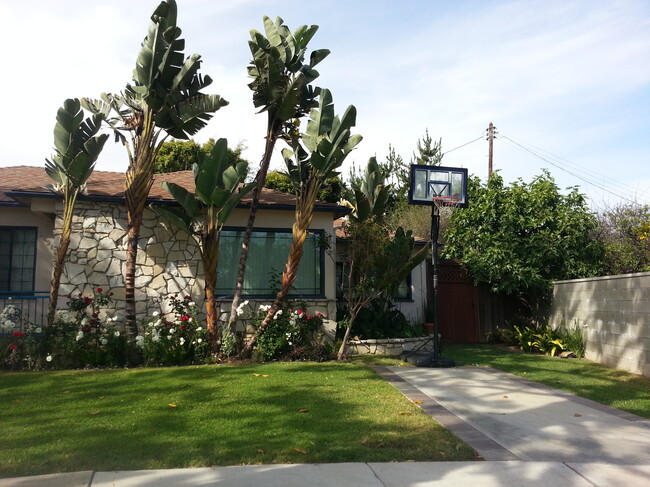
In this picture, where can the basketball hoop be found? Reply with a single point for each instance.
(446, 201)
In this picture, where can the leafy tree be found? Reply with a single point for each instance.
(165, 99)
(376, 263)
(327, 142)
(370, 194)
(281, 88)
(625, 233)
(181, 155)
(519, 238)
(330, 190)
(76, 149)
(203, 214)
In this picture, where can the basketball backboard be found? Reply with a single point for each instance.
(447, 185)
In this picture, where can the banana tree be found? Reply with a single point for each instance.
(76, 149)
(202, 214)
(281, 88)
(371, 195)
(327, 142)
(164, 99)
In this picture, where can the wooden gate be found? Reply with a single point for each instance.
(458, 301)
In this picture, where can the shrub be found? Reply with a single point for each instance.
(292, 334)
(574, 340)
(381, 319)
(181, 340)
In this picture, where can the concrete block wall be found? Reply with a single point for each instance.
(614, 312)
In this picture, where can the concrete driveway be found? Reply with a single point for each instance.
(505, 417)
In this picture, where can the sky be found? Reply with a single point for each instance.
(566, 84)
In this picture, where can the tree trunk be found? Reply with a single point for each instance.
(243, 258)
(353, 317)
(300, 232)
(57, 269)
(210, 257)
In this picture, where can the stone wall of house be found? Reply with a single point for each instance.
(168, 261)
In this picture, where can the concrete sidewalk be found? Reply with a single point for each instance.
(425, 474)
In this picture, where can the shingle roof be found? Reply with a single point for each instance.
(30, 181)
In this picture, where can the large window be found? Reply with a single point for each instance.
(267, 256)
(17, 258)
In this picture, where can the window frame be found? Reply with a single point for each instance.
(321, 262)
(34, 261)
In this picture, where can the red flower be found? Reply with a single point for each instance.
(12, 347)
(110, 294)
(181, 327)
(185, 318)
(188, 298)
(88, 300)
(99, 289)
(18, 334)
(85, 329)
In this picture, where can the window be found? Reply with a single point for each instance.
(267, 256)
(17, 258)
(403, 292)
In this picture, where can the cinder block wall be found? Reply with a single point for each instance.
(614, 312)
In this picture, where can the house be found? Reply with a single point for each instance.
(168, 259)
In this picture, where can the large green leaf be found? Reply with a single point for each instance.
(184, 198)
(175, 217)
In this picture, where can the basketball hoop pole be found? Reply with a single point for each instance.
(438, 360)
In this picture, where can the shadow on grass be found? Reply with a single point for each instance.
(210, 415)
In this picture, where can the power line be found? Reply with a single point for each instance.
(466, 143)
(574, 173)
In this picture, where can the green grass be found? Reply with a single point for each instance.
(605, 385)
(211, 415)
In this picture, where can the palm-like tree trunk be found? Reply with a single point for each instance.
(138, 182)
(61, 252)
(271, 138)
(210, 258)
(300, 231)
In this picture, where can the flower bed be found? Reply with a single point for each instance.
(389, 346)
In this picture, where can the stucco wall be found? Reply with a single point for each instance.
(43, 219)
(614, 312)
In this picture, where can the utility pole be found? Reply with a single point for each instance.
(490, 138)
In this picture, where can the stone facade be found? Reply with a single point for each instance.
(169, 262)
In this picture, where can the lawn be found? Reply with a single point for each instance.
(605, 385)
(211, 415)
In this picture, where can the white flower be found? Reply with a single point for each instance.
(200, 340)
(169, 337)
(39, 330)
(279, 312)
(292, 322)
(182, 340)
(199, 328)
(48, 358)
(171, 330)
(117, 333)
(157, 323)
(191, 303)
(155, 338)
(264, 307)
(80, 335)
(103, 340)
(155, 313)
(84, 321)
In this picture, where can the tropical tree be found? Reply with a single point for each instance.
(202, 214)
(165, 99)
(370, 194)
(281, 88)
(327, 142)
(76, 149)
(519, 238)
